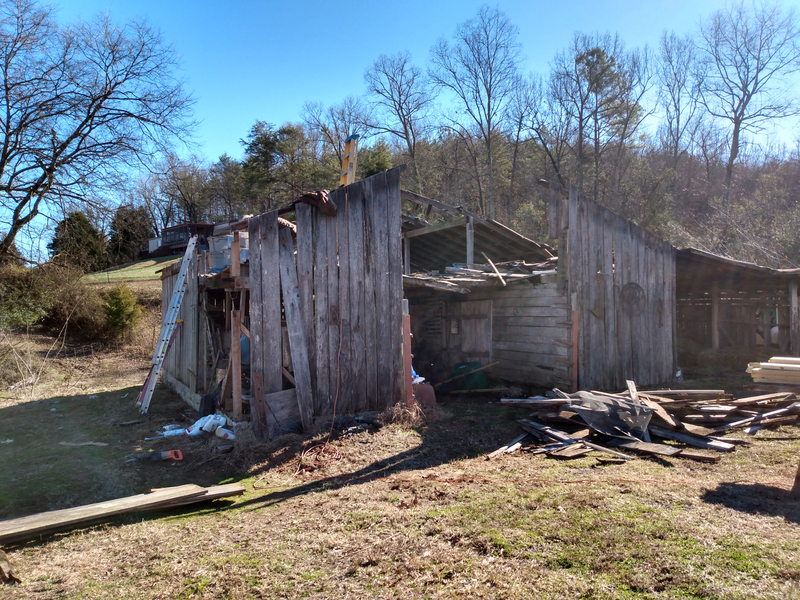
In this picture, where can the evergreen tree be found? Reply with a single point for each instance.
(77, 243)
(130, 230)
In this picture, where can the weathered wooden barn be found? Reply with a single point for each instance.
(320, 304)
(604, 315)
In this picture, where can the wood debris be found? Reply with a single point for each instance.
(627, 420)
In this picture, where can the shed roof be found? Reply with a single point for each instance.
(695, 269)
(434, 247)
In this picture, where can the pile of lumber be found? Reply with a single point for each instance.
(779, 369)
(659, 422)
(13, 531)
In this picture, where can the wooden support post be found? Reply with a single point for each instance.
(470, 242)
(794, 320)
(409, 391)
(575, 359)
(766, 326)
(228, 306)
(715, 315)
(406, 256)
(236, 364)
(235, 272)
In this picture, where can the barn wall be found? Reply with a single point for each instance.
(346, 284)
(531, 334)
(621, 283)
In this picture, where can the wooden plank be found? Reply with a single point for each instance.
(691, 439)
(298, 344)
(758, 419)
(334, 303)
(709, 458)
(322, 401)
(505, 447)
(283, 413)
(371, 343)
(625, 260)
(258, 410)
(561, 313)
(345, 402)
(26, 528)
(613, 374)
(394, 233)
(378, 215)
(560, 436)
(646, 447)
(586, 370)
(595, 310)
(434, 228)
(571, 451)
(794, 320)
(305, 281)
(270, 303)
(235, 256)
(236, 364)
(355, 258)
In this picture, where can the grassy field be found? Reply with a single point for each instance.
(408, 508)
(135, 271)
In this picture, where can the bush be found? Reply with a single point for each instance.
(49, 297)
(121, 310)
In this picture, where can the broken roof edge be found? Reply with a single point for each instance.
(710, 256)
(458, 211)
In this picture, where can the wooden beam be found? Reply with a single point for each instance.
(470, 241)
(406, 256)
(434, 228)
(235, 266)
(794, 320)
(715, 315)
(503, 281)
(236, 363)
(766, 326)
(428, 203)
(407, 379)
(245, 330)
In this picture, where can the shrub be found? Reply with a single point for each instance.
(122, 311)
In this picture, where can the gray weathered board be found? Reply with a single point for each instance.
(345, 308)
(620, 279)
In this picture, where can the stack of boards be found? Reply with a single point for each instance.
(27, 528)
(779, 369)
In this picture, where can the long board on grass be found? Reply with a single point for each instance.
(25, 528)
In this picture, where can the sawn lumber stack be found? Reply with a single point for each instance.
(778, 369)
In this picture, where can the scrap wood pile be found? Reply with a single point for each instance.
(778, 369)
(661, 422)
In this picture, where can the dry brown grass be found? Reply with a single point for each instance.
(411, 509)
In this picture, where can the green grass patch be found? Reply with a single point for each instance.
(141, 270)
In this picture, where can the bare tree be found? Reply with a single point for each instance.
(481, 69)
(338, 122)
(678, 82)
(401, 93)
(79, 105)
(748, 50)
(185, 182)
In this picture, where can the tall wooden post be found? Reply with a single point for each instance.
(235, 255)
(406, 256)
(794, 320)
(470, 242)
(766, 325)
(236, 364)
(715, 315)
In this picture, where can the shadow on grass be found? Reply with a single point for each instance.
(756, 499)
(472, 430)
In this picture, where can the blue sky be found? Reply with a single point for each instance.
(247, 60)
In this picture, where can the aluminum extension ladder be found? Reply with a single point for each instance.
(169, 329)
